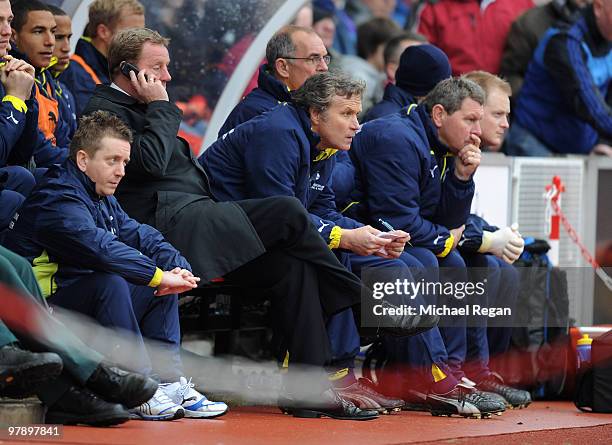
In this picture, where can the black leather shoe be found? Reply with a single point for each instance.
(81, 406)
(330, 405)
(119, 386)
(22, 372)
(403, 325)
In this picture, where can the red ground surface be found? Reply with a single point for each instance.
(541, 423)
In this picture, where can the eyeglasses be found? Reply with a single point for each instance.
(315, 60)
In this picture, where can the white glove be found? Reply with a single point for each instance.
(506, 243)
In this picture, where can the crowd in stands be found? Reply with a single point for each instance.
(354, 150)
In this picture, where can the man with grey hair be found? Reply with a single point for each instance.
(290, 151)
(293, 54)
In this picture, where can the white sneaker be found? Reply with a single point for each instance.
(159, 407)
(196, 405)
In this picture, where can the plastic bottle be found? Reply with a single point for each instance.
(583, 350)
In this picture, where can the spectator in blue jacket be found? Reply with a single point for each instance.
(90, 256)
(563, 106)
(65, 98)
(293, 54)
(88, 66)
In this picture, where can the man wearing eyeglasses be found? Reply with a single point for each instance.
(293, 54)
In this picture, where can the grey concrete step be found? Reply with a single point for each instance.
(21, 412)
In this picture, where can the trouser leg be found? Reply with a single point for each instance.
(453, 327)
(284, 225)
(297, 311)
(107, 298)
(158, 319)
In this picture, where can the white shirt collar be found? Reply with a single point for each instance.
(117, 87)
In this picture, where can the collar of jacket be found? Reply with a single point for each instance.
(117, 96)
(397, 95)
(83, 179)
(439, 148)
(94, 58)
(271, 85)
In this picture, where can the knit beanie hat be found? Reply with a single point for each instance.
(420, 68)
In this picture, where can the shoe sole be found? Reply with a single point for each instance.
(22, 382)
(173, 416)
(313, 414)
(201, 415)
(94, 420)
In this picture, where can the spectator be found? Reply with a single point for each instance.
(362, 11)
(394, 49)
(85, 250)
(293, 54)
(369, 64)
(89, 66)
(34, 40)
(284, 255)
(88, 391)
(345, 40)
(563, 104)
(526, 32)
(323, 23)
(471, 32)
(420, 68)
(65, 98)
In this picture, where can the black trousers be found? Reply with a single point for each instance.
(306, 280)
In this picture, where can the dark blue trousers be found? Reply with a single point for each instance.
(501, 290)
(421, 351)
(18, 183)
(115, 303)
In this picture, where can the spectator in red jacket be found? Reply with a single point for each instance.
(471, 32)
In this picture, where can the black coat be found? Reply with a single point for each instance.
(166, 187)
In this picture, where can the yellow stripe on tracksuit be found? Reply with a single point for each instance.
(45, 271)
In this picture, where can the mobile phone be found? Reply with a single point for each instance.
(126, 67)
(390, 235)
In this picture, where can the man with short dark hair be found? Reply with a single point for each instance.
(293, 54)
(90, 256)
(88, 66)
(369, 64)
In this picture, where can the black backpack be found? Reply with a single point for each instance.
(594, 383)
(539, 355)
